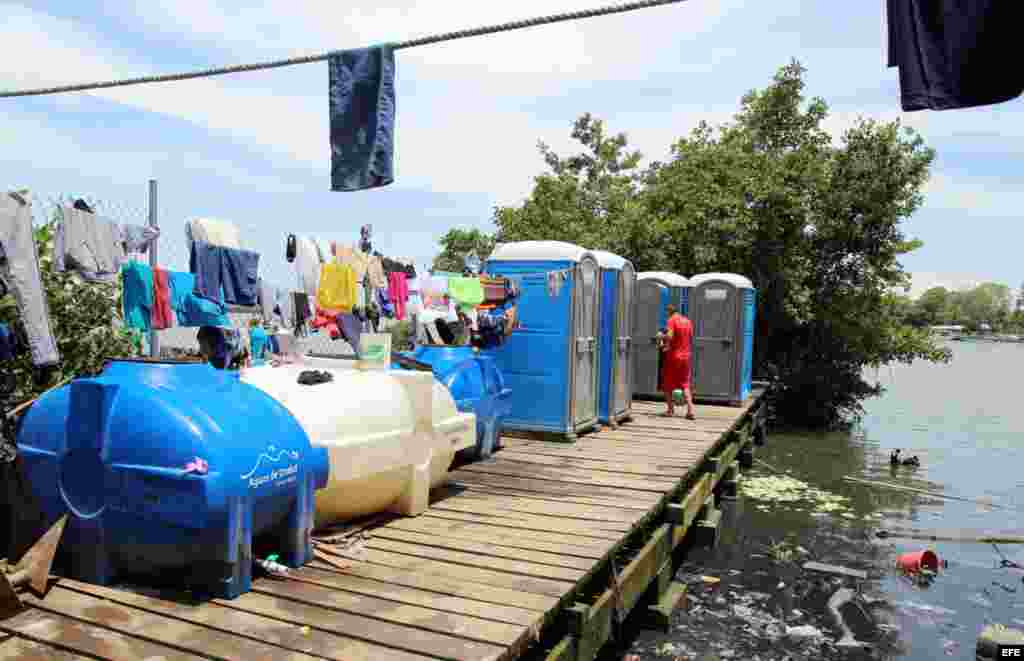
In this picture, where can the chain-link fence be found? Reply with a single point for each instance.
(172, 249)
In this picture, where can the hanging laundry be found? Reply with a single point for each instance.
(89, 245)
(307, 262)
(326, 319)
(351, 330)
(337, 290)
(191, 310)
(137, 295)
(301, 308)
(225, 274)
(268, 296)
(433, 286)
(365, 233)
(386, 307)
(415, 302)
(323, 249)
(375, 271)
(362, 118)
(162, 313)
(286, 309)
(136, 238)
(219, 233)
(466, 292)
(953, 54)
(398, 293)
(19, 264)
(289, 248)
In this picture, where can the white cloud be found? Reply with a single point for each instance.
(974, 196)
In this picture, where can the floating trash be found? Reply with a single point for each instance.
(778, 489)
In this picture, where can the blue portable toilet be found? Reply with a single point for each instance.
(618, 288)
(723, 307)
(654, 291)
(550, 361)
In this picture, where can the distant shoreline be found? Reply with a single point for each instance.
(966, 337)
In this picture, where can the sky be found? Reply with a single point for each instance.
(254, 149)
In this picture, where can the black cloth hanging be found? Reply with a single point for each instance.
(954, 53)
(82, 205)
(289, 248)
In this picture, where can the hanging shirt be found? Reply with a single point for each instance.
(466, 292)
(307, 262)
(163, 313)
(323, 248)
(398, 293)
(955, 54)
(375, 269)
(337, 290)
(89, 245)
(137, 295)
(214, 232)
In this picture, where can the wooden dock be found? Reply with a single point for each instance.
(537, 552)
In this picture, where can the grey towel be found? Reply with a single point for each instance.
(362, 116)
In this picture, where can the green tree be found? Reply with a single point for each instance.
(83, 316)
(935, 306)
(815, 223)
(590, 198)
(457, 244)
(988, 303)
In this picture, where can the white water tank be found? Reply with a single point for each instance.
(390, 436)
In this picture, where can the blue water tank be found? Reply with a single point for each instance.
(171, 466)
(476, 385)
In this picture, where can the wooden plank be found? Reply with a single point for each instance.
(690, 507)
(157, 628)
(246, 626)
(60, 631)
(529, 505)
(20, 649)
(417, 597)
(500, 634)
(570, 476)
(466, 488)
(601, 451)
(485, 549)
(442, 584)
(614, 468)
(645, 434)
(488, 484)
(488, 576)
(633, 582)
(496, 511)
(474, 560)
(676, 460)
(665, 425)
(593, 534)
(555, 488)
(523, 539)
(410, 639)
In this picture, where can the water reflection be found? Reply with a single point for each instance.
(966, 424)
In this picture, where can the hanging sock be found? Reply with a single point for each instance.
(362, 117)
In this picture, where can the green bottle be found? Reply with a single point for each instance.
(677, 396)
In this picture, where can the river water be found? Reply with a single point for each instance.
(965, 421)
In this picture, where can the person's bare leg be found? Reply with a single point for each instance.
(671, 405)
(689, 402)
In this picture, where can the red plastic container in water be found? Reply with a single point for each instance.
(918, 560)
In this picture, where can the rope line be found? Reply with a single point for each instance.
(319, 57)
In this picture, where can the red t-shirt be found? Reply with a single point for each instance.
(682, 336)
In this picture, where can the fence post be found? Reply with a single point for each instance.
(154, 338)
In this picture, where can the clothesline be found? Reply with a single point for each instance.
(319, 57)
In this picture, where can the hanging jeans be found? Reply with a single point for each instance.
(21, 272)
(234, 271)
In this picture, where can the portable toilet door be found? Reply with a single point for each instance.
(722, 307)
(615, 355)
(654, 291)
(550, 362)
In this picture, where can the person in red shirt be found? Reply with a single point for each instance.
(675, 372)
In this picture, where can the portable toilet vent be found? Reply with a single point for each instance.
(723, 307)
(618, 297)
(654, 291)
(550, 361)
